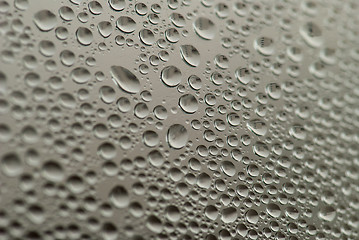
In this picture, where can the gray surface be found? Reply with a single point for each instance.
(105, 135)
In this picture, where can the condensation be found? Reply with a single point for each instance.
(179, 119)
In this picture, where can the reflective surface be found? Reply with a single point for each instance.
(179, 119)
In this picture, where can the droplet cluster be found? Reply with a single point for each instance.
(179, 119)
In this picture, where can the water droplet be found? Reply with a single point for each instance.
(261, 149)
(84, 36)
(80, 75)
(119, 197)
(273, 210)
(190, 55)
(53, 171)
(327, 213)
(171, 76)
(147, 37)
(257, 126)
(205, 28)
(117, 5)
(126, 24)
(312, 34)
(154, 224)
(11, 165)
(177, 136)
(155, 158)
(188, 103)
(125, 79)
(229, 215)
(45, 20)
(264, 45)
(252, 216)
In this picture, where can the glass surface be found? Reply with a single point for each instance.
(179, 119)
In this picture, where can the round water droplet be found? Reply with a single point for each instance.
(66, 13)
(312, 34)
(264, 45)
(11, 165)
(243, 75)
(273, 210)
(104, 28)
(229, 215)
(211, 212)
(150, 138)
(119, 197)
(274, 91)
(204, 180)
(154, 224)
(178, 20)
(171, 76)
(155, 158)
(53, 171)
(252, 216)
(188, 103)
(173, 214)
(261, 149)
(228, 168)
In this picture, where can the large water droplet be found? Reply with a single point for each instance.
(257, 126)
(80, 75)
(119, 197)
(327, 213)
(205, 28)
(11, 165)
(125, 79)
(188, 103)
(264, 45)
(171, 76)
(126, 24)
(312, 34)
(154, 224)
(273, 210)
(190, 55)
(84, 36)
(177, 136)
(261, 149)
(147, 37)
(229, 215)
(252, 216)
(45, 20)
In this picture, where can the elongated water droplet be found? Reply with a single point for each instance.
(125, 79)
